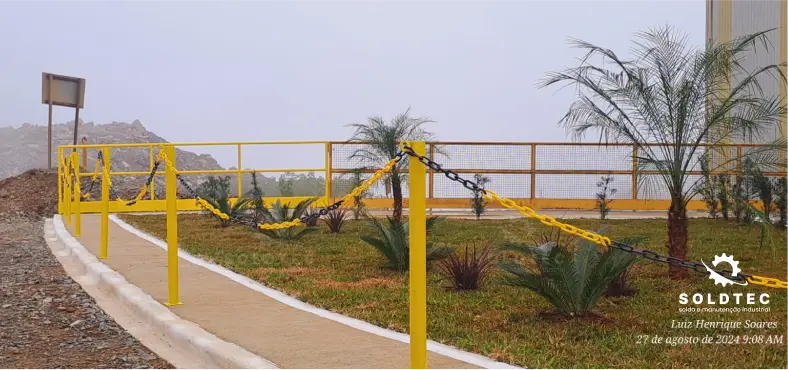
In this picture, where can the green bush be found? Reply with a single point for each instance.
(283, 213)
(572, 281)
(393, 242)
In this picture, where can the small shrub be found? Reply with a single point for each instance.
(285, 185)
(478, 202)
(470, 269)
(741, 195)
(723, 194)
(605, 195)
(282, 213)
(781, 202)
(335, 218)
(393, 242)
(766, 228)
(708, 187)
(358, 201)
(572, 281)
(214, 187)
(257, 203)
(216, 191)
(763, 187)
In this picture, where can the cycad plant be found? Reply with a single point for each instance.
(393, 242)
(671, 100)
(216, 191)
(572, 281)
(282, 213)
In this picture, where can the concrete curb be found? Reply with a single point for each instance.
(186, 336)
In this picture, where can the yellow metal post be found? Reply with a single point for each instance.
(67, 189)
(240, 174)
(172, 228)
(634, 172)
(85, 154)
(104, 244)
(153, 182)
(328, 173)
(77, 196)
(417, 223)
(60, 192)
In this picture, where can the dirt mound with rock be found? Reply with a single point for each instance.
(31, 195)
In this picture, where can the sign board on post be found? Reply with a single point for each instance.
(64, 91)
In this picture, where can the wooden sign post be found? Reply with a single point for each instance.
(64, 91)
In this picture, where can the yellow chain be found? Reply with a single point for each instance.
(603, 240)
(548, 220)
(297, 222)
(212, 209)
(767, 282)
(346, 199)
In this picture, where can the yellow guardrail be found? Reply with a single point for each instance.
(531, 166)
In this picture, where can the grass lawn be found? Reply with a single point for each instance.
(340, 273)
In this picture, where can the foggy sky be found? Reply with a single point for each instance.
(211, 71)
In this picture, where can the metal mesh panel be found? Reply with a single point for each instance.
(585, 157)
(505, 185)
(281, 156)
(486, 157)
(342, 157)
(723, 159)
(767, 159)
(580, 186)
(653, 187)
(663, 153)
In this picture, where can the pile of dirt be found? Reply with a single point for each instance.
(31, 195)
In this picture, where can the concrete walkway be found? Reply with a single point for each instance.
(286, 336)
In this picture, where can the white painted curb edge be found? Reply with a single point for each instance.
(432, 346)
(185, 335)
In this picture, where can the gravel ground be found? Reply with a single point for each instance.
(46, 319)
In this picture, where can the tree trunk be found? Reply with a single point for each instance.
(677, 236)
(396, 189)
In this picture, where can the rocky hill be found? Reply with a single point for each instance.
(25, 147)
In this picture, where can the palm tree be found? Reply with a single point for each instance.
(383, 139)
(681, 97)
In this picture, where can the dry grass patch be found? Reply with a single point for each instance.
(366, 283)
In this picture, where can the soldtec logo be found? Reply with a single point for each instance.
(724, 298)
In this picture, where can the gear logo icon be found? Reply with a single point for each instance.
(719, 279)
